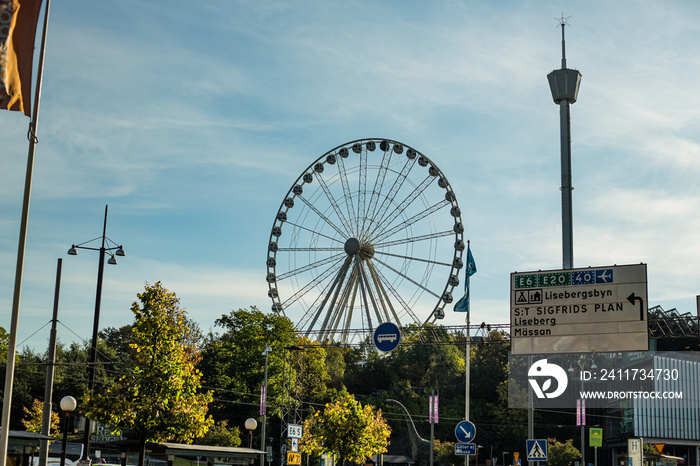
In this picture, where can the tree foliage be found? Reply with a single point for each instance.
(221, 436)
(346, 430)
(159, 399)
(562, 454)
(233, 362)
(33, 421)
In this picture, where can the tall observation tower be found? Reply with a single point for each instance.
(564, 84)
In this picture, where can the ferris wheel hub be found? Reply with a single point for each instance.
(352, 246)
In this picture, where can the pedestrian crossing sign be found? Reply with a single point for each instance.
(537, 450)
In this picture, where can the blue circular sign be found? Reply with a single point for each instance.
(387, 337)
(465, 431)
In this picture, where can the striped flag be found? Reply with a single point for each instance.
(18, 23)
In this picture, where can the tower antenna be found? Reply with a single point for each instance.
(562, 23)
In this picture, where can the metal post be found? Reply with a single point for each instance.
(95, 330)
(567, 218)
(48, 389)
(65, 438)
(467, 358)
(431, 407)
(263, 406)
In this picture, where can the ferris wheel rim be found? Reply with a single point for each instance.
(344, 262)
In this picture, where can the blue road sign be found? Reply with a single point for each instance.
(387, 337)
(465, 448)
(465, 431)
(537, 450)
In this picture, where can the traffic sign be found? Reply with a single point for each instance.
(465, 448)
(294, 431)
(293, 458)
(537, 450)
(465, 431)
(595, 437)
(387, 337)
(579, 310)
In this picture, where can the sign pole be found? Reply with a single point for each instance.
(467, 358)
(431, 409)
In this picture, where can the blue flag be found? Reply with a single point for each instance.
(463, 304)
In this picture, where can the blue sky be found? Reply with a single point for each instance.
(192, 121)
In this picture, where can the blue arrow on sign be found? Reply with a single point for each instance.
(465, 431)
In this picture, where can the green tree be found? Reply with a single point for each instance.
(33, 421)
(233, 362)
(221, 436)
(4, 344)
(159, 399)
(446, 452)
(561, 454)
(346, 430)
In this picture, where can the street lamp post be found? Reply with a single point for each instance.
(68, 404)
(263, 404)
(582, 408)
(250, 424)
(103, 250)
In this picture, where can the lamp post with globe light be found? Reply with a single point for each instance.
(250, 424)
(104, 250)
(68, 404)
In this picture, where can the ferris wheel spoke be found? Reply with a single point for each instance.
(304, 290)
(389, 200)
(337, 312)
(364, 291)
(386, 223)
(314, 232)
(373, 293)
(362, 186)
(384, 300)
(346, 190)
(403, 275)
(333, 203)
(323, 217)
(337, 286)
(352, 294)
(407, 309)
(419, 216)
(383, 285)
(412, 239)
(378, 185)
(313, 265)
(414, 258)
(309, 249)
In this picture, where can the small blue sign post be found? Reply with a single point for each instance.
(387, 337)
(465, 431)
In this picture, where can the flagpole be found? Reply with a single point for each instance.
(467, 358)
(12, 344)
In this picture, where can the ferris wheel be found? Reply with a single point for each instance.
(370, 232)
